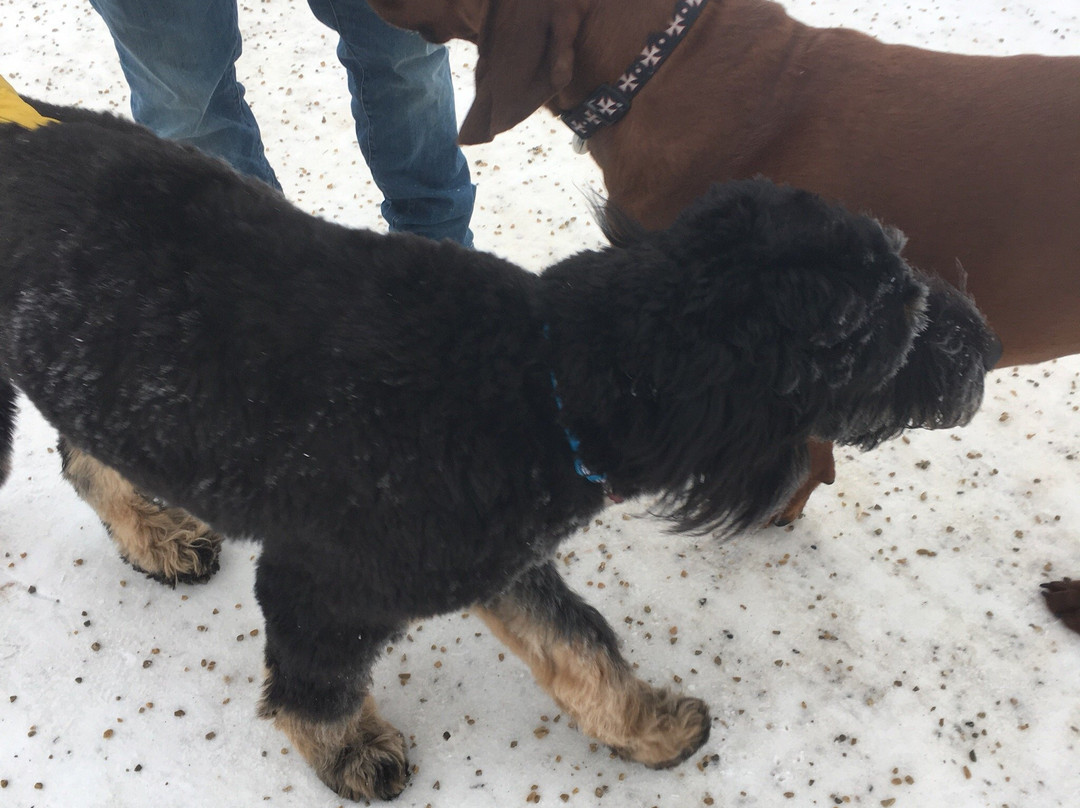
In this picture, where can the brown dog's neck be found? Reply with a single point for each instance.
(611, 35)
(735, 75)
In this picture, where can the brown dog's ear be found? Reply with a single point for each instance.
(526, 55)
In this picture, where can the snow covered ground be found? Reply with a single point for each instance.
(890, 649)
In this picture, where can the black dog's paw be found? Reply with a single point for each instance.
(691, 723)
(361, 757)
(195, 559)
(375, 768)
(167, 543)
(670, 729)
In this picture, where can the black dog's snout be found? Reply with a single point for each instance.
(993, 352)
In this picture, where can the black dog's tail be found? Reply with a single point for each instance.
(7, 426)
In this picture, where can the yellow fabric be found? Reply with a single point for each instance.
(14, 110)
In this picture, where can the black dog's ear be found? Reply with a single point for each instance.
(731, 411)
(740, 481)
(661, 404)
(665, 401)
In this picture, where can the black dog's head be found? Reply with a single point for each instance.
(698, 360)
(939, 386)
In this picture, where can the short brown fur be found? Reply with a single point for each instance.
(975, 158)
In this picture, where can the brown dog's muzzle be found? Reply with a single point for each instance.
(436, 23)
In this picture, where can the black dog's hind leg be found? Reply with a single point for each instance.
(168, 544)
(318, 664)
(573, 655)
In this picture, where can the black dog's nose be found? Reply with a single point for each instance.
(993, 353)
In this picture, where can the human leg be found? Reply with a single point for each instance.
(403, 105)
(179, 59)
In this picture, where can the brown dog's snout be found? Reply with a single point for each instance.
(428, 34)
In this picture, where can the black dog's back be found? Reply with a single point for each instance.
(230, 318)
(80, 115)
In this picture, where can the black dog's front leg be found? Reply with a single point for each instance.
(573, 654)
(317, 681)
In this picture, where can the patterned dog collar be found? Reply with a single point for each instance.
(608, 104)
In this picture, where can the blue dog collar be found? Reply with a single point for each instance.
(571, 438)
(575, 442)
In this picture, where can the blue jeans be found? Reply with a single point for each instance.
(179, 59)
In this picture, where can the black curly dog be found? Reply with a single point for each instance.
(411, 428)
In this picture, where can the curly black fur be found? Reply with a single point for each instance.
(795, 320)
(378, 410)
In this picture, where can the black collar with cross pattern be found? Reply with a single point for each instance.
(609, 103)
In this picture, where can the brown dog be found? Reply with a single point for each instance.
(975, 158)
